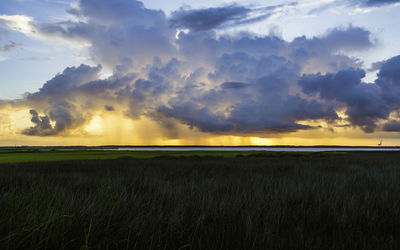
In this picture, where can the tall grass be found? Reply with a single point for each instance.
(275, 201)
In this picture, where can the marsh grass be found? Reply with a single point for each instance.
(263, 201)
(44, 154)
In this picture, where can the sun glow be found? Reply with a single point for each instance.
(115, 128)
(95, 127)
(260, 141)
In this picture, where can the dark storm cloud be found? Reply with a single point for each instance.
(389, 74)
(206, 19)
(61, 84)
(147, 93)
(256, 81)
(362, 102)
(391, 126)
(365, 104)
(108, 108)
(42, 125)
(65, 116)
(211, 18)
(260, 106)
(197, 116)
(234, 85)
(61, 113)
(389, 81)
(249, 117)
(69, 98)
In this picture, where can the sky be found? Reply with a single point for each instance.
(126, 72)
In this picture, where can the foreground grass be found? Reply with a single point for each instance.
(264, 201)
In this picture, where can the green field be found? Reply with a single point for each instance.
(15, 156)
(45, 155)
(169, 200)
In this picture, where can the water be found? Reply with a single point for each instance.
(271, 149)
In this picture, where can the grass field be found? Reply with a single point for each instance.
(259, 201)
(35, 155)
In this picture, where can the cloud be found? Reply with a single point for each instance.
(62, 84)
(389, 74)
(69, 99)
(65, 116)
(42, 125)
(225, 84)
(351, 5)
(212, 18)
(261, 105)
(109, 108)
(234, 85)
(20, 23)
(117, 32)
(376, 66)
(362, 102)
(8, 47)
(391, 126)
(317, 54)
(62, 113)
(376, 2)
(366, 104)
(351, 39)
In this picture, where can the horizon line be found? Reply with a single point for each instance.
(199, 146)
